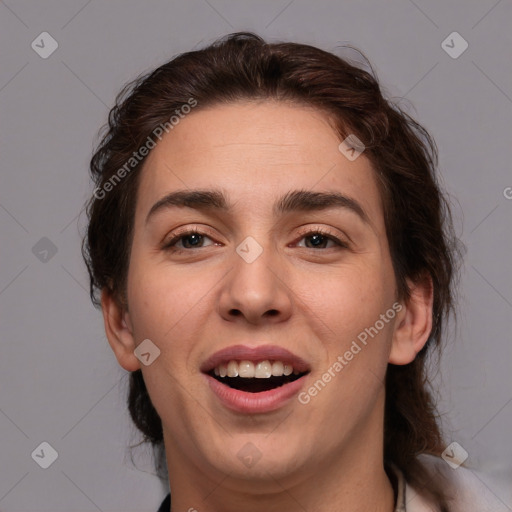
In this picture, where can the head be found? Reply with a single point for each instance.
(352, 258)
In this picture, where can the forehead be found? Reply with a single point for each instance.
(256, 151)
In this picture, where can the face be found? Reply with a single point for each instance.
(266, 274)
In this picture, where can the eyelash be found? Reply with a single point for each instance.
(170, 245)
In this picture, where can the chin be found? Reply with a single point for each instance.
(259, 458)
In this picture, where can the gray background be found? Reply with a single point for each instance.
(60, 382)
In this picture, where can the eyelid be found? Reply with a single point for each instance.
(187, 230)
(342, 241)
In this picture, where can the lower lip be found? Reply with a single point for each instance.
(251, 403)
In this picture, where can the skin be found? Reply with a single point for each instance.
(325, 455)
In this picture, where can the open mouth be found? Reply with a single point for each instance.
(255, 385)
(255, 380)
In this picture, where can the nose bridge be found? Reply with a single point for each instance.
(255, 288)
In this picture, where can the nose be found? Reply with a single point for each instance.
(256, 292)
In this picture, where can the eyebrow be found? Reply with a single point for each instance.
(293, 201)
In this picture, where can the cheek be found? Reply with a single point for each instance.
(167, 305)
(360, 317)
(347, 299)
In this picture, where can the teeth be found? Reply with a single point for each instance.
(232, 369)
(261, 370)
(277, 368)
(245, 369)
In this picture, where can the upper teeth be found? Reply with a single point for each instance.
(261, 370)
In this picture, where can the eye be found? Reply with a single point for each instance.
(319, 237)
(193, 238)
(190, 239)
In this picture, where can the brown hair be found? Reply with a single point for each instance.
(404, 157)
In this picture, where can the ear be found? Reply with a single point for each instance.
(413, 323)
(118, 329)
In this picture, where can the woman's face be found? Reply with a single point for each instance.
(259, 275)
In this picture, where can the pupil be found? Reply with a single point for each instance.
(317, 238)
(195, 236)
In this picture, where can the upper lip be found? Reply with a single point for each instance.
(254, 354)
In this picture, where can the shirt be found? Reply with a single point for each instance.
(467, 491)
(166, 504)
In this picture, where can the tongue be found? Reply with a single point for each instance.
(257, 385)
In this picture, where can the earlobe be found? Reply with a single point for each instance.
(119, 331)
(413, 323)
